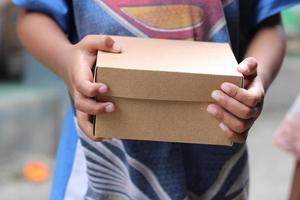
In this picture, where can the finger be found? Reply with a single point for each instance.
(100, 42)
(248, 67)
(248, 97)
(90, 106)
(86, 126)
(232, 105)
(235, 124)
(90, 89)
(84, 123)
(234, 137)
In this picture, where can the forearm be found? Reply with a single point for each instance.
(44, 39)
(268, 47)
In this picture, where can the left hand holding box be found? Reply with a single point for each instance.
(237, 108)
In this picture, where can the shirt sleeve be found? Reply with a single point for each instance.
(267, 8)
(253, 12)
(59, 10)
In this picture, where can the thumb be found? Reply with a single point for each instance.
(93, 43)
(248, 67)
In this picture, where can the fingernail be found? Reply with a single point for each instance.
(117, 47)
(103, 89)
(216, 95)
(212, 110)
(226, 88)
(109, 108)
(223, 127)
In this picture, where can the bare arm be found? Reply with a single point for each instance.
(268, 47)
(44, 39)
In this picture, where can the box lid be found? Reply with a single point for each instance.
(161, 69)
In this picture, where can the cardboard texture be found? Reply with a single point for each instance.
(161, 89)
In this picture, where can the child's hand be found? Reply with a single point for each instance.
(237, 108)
(80, 79)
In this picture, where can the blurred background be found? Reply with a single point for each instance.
(33, 103)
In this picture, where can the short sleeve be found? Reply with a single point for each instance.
(253, 12)
(59, 10)
(267, 8)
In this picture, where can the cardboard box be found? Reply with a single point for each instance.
(161, 89)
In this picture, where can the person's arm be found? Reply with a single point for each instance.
(238, 108)
(268, 47)
(44, 39)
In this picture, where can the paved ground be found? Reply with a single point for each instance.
(14, 187)
(270, 168)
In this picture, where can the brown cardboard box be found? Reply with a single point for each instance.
(161, 89)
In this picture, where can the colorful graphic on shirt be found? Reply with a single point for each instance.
(166, 17)
(176, 19)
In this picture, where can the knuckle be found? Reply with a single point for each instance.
(246, 112)
(220, 115)
(240, 127)
(254, 100)
(89, 92)
(219, 97)
(77, 105)
(89, 109)
(234, 92)
(88, 37)
(256, 112)
(251, 61)
(77, 84)
(257, 99)
(108, 42)
(224, 100)
(100, 107)
(103, 37)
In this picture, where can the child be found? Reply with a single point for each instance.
(122, 169)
